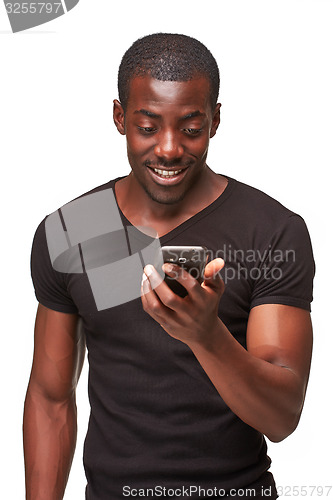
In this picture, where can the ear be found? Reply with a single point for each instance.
(119, 117)
(215, 121)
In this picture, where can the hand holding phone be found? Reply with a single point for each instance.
(192, 259)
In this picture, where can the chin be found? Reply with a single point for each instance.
(165, 198)
(160, 195)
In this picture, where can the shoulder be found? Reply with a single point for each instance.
(82, 205)
(102, 187)
(96, 189)
(259, 220)
(89, 215)
(255, 201)
(250, 207)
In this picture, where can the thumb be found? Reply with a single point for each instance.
(212, 279)
(212, 268)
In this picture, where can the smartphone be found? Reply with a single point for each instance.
(191, 258)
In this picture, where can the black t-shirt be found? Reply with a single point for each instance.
(156, 419)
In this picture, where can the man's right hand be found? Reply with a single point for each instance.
(49, 422)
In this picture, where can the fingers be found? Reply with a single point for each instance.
(159, 300)
(156, 295)
(150, 301)
(183, 277)
(213, 267)
(212, 278)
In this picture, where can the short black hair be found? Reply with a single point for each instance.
(168, 57)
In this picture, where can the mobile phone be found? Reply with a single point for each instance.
(191, 258)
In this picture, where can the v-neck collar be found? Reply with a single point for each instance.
(191, 220)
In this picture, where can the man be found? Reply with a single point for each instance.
(182, 390)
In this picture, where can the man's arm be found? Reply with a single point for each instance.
(49, 422)
(264, 385)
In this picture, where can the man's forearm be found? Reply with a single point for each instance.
(264, 395)
(49, 435)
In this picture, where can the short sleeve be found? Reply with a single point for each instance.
(286, 267)
(50, 285)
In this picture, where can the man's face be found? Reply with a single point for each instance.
(167, 126)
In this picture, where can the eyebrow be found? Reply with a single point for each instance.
(194, 114)
(150, 114)
(145, 112)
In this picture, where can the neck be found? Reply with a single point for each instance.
(140, 209)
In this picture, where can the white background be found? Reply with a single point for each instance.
(58, 140)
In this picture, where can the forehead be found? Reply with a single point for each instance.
(169, 96)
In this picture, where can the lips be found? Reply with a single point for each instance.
(167, 177)
(166, 173)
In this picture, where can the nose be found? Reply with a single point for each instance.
(168, 146)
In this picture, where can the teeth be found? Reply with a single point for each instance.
(166, 173)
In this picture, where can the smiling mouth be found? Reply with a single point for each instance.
(167, 173)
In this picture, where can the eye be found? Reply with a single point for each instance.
(192, 131)
(147, 130)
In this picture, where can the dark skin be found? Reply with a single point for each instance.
(264, 385)
(169, 142)
(50, 423)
